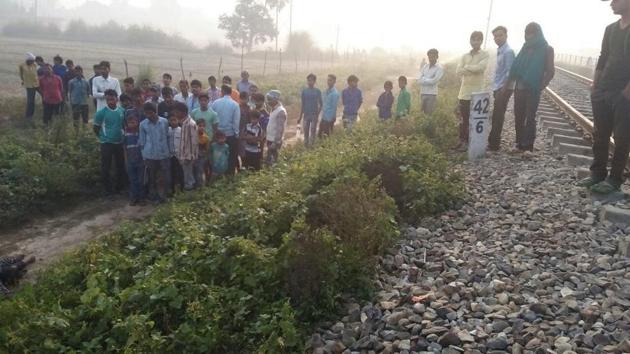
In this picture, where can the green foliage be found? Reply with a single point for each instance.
(145, 71)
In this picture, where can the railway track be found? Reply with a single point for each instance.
(567, 119)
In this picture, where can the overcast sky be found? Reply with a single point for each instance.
(570, 25)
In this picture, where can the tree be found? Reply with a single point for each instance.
(250, 24)
(300, 43)
(276, 5)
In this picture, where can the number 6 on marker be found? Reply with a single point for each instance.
(479, 127)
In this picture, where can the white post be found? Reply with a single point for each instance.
(485, 39)
(479, 127)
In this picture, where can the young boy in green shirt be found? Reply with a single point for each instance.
(206, 113)
(403, 104)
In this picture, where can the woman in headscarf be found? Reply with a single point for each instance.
(531, 72)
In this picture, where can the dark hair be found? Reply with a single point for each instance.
(183, 81)
(180, 107)
(353, 78)
(258, 97)
(333, 76)
(105, 64)
(311, 76)
(146, 80)
(167, 91)
(167, 75)
(58, 59)
(195, 83)
(219, 134)
(388, 84)
(200, 121)
(39, 58)
(226, 90)
(211, 77)
(78, 68)
(402, 78)
(154, 89)
(227, 78)
(204, 95)
(254, 115)
(135, 93)
(149, 106)
(476, 34)
(110, 92)
(243, 95)
(132, 115)
(124, 97)
(433, 51)
(95, 66)
(128, 80)
(69, 62)
(500, 28)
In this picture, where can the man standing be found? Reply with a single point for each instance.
(611, 104)
(244, 84)
(471, 69)
(311, 107)
(276, 126)
(51, 88)
(155, 152)
(505, 58)
(108, 126)
(28, 76)
(430, 77)
(229, 114)
(329, 111)
(102, 83)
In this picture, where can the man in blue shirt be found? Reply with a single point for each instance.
(352, 99)
(505, 59)
(311, 107)
(229, 115)
(155, 152)
(79, 91)
(329, 110)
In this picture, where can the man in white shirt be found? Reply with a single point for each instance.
(430, 76)
(183, 94)
(102, 83)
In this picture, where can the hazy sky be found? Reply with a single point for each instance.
(570, 25)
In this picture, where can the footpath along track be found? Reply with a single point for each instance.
(530, 263)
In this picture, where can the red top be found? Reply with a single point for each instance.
(51, 88)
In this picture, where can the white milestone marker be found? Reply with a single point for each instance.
(479, 125)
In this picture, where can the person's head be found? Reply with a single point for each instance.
(180, 110)
(183, 86)
(273, 97)
(476, 39)
(402, 82)
(388, 86)
(201, 126)
(227, 80)
(128, 84)
(167, 94)
(30, 58)
(311, 79)
(254, 117)
(353, 81)
(331, 80)
(259, 100)
(78, 71)
(500, 35)
(173, 121)
(244, 97)
(49, 70)
(533, 31)
(195, 86)
(150, 111)
(111, 97)
(253, 89)
(125, 100)
(105, 68)
(433, 56)
(136, 97)
(220, 136)
(166, 79)
(145, 84)
(204, 100)
(245, 75)
(58, 60)
(132, 122)
(620, 7)
(212, 81)
(97, 69)
(70, 64)
(226, 90)
(39, 60)
(155, 92)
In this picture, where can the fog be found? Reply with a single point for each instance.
(571, 26)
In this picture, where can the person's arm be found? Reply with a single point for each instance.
(236, 121)
(550, 67)
(98, 121)
(88, 89)
(281, 119)
(479, 67)
(301, 108)
(460, 67)
(360, 100)
(320, 103)
(603, 59)
(96, 93)
(117, 88)
(435, 79)
(21, 71)
(143, 137)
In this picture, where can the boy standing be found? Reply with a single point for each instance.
(79, 90)
(329, 110)
(188, 148)
(165, 107)
(128, 85)
(214, 93)
(108, 125)
(311, 107)
(253, 136)
(201, 163)
(205, 113)
(174, 137)
(155, 152)
(244, 84)
(135, 164)
(58, 68)
(403, 103)
(275, 128)
(183, 94)
(51, 89)
(167, 79)
(193, 101)
(430, 77)
(220, 156)
(386, 101)
(352, 99)
(471, 69)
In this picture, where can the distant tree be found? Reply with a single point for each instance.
(300, 44)
(277, 6)
(250, 24)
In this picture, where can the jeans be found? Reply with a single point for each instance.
(189, 173)
(80, 111)
(159, 177)
(232, 142)
(272, 153)
(252, 160)
(199, 168)
(429, 102)
(464, 124)
(135, 171)
(498, 117)
(525, 108)
(611, 118)
(30, 103)
(50, 110)
(114, 152)
(310, 129)
(177, 175)
(348, 122)
(325, 128)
